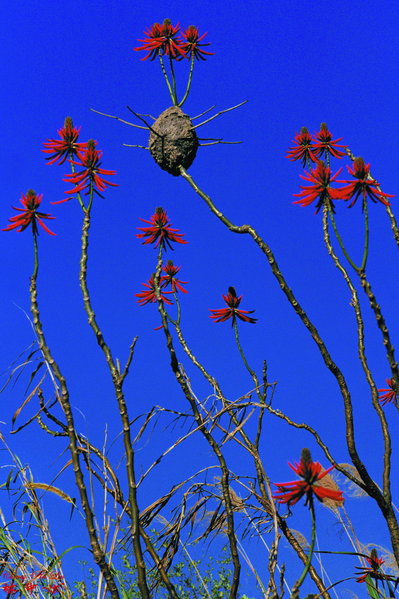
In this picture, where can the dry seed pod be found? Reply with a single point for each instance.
(175, 142)
(329, 483)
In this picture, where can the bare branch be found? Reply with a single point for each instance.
(219, 113)
(221, 141)
(111, 116)
(144, 121)
(135, 146)
(202, 113)
(129, 359)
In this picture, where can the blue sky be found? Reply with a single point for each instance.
(297, 63)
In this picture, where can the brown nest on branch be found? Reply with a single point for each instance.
(173, 141)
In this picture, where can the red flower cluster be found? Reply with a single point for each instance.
(310, 472)
(149, 294)
(321, 178)
(162, 39)
(388, 395)
(160, 231)
(365, 185)
(374, 569)
(89, 177)
(12, 588)
(309, 148)
(169, 278)
(303, 148)
(232, 310)
(191, 43)
(67, 146)
(82, 154)
(325, 144)
(29, 214)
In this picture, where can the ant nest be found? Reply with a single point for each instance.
(173, 141)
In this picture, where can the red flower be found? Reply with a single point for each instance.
(310, 472)
(374, 569)
(365, 185)
(90, 176)
(149, 294)
(325, 144)
(161, 39)
(232, 311)
(170, 277)
(303, 148)
(191, 45)
(10, 588)
(52, 589)
(160, 230)
(67, 146)
(29, 214)
(321, 178)
(388, 395)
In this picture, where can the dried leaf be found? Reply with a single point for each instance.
(50, 488)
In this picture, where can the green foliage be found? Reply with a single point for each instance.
(192, 579)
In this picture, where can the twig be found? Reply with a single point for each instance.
(202, 113)
(144, 121)
(129, 360)
(135, 146)
(149, 115)
(219, 113)
(111, 116)
(214, 143)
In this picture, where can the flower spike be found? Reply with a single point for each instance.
(149, 294)
(325, 144)
(191, 44)
(169, 278)
(311, 473)
(29, 214)
(232, 310)
(160, 40)
(364, 185)
(303, 148)
(67, 146)
(320, 177)
(374, 570)
(90, 175)
(160, 231)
